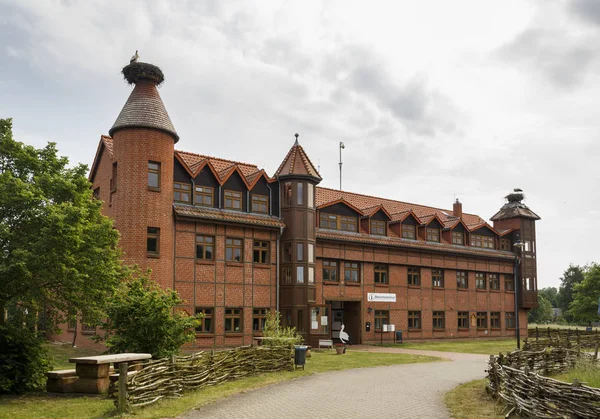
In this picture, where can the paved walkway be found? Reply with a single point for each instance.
(398, 391)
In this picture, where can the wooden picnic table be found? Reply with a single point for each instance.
(93, 370)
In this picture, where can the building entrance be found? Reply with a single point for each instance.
(346, 314)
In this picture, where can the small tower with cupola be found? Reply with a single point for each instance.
(297, 180)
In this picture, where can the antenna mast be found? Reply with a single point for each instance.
(341, 147)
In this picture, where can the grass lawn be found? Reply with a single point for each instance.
(586, 374)
(470, 401)
(61, 353)
(40, 405)
(471, 346)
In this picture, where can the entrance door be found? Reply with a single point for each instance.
(352, 321)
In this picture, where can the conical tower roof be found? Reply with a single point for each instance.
(514, 208)
(297, 163)
(144, 108)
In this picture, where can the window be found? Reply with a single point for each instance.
(261, 252)
(510, 320)
(311, 253)
(96, 193)
(204, 196)
(482, 241)
(287, 251)
(299, 252)
(311, 275)
(310, 190)
(414, 319)
(181, 192)
(207, 320)
(259, 318)
(458, 238)
(480, 281)
(505, 244)
(153, 241)
(300, 320)
(330, 270)
(72, 322)
(233, 200)
(414, 276)
(378, 227)
(286, 275)
(233, 250)
(300, 193)
(433, 235)
(437, 276)
(233, 320)
(463, 319)
(154, 175)
(381, 317)
(439, 320)
(87, 327)
(481, 320)
(300, 274)
(495, 320)
(509, 283)
(494, 281)
(408, 232)
(351, 272)
(204, 247)
(337, 222)
(260, 203)
(113, 181)
(287, 193)
(461, 279)
(381, 274)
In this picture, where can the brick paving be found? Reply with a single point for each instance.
(398, 391)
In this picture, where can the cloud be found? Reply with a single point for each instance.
(586, 10)
(558, 56)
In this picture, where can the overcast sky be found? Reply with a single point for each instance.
(433, 99)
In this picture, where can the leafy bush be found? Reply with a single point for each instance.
(276, 335)
(24, 361)
(141, 318)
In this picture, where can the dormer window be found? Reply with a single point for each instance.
(458, 238)
(505, 244)
(378, 227)
(260, 203)
(433, 235)
(408, 231)
(204, 196)
(482, 241)
(233, 200)
(337, 222)
(181, 192)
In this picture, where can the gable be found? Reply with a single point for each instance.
(484, 231)
(340, 209)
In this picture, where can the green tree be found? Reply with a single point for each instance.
(543, 313)
(58, 253)
(584, 307)
(141, 318)
(572, 276)
(551, 294)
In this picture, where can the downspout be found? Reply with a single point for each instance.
(270, 200)
(193, 195)
(248, 201)
(220, 197)
(277, 271)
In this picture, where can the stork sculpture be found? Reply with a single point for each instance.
(344, 337)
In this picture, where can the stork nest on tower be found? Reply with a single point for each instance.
(137, 71)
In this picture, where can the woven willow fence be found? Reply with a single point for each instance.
(542, 338)
(517, 379)
(169, 378)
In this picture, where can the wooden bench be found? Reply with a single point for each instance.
(61, 381)
(93, 371)
(327, 343)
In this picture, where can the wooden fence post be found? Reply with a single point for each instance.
(596, 351)
(122, 401)
(537, 333)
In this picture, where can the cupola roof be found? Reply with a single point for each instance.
(297, 163)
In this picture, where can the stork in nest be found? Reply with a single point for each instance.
(134, 58)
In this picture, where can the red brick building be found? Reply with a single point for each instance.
(235, 242)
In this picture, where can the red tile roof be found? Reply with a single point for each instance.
(326, 195)
(227, 215)
(296, 162)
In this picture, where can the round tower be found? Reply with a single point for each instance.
(142, 174)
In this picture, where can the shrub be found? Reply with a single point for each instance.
(141, 318)
(23, 361)
(276, 335)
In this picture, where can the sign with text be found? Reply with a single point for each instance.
(379, 297)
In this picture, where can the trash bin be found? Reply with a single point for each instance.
(299, 356)
(398, 336)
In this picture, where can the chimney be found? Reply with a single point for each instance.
(457, 209)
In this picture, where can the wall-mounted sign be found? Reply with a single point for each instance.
(379, 297)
